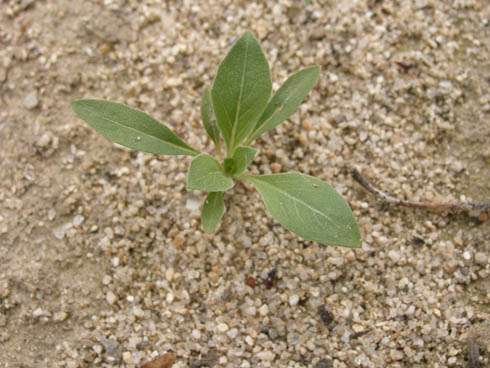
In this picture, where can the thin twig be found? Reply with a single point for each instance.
(472, 208)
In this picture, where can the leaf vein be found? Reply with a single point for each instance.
(297, 200)
(149, 135)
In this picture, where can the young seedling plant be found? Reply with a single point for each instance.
(237, 109)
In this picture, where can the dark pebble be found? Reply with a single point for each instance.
(325, 315)
(324, 363)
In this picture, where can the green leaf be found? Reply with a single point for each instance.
(308, 207)
(286, 100)
(213, 210)
(241, 90)
(205, 173)
(207, 115)
(243, 157)
(131, 128)
(229, 166)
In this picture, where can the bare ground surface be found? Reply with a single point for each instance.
(103, 261)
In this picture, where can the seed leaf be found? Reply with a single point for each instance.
(213, 210)
(243, 157)
(241, 90)
(308, 207)
(286, 100)
(131, 128)
(205, 173)
(207, 116)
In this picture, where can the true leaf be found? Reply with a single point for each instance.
(213, 210)
(286, 100)
(241, 90)
(308, 207)
(207, 116)
(243, 157)
(131, 128)
(205, 173)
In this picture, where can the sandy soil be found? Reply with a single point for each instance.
(102, 258)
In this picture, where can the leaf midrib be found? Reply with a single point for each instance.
(193, 153)
(286, 194)
(237, 113)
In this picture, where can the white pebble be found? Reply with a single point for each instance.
(60, 316)
(38, 312)
(446, 85)
(233, 333)
(196, 334)
(394, 255)
(396, 354)
(111, 297)
(250, 311)
(264, 310)
(249, 340)
(51, 214)
(138, 312)
(337, 261)
(222, 327)
(44, 140)
(266, 355)
(31, 101)
(193, 204)
(127, 357)
(97, 348)
(293, 300)
(78, 219)
(106, 280)
(410, 310)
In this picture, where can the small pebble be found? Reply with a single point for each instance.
(394, 255)
(272, 332)
(138, 312)
(324, 363)
(111, 298)
(60, 316)
(106, 280)
(31, 101)
(38, 312)
(233, 333)
(196, 334)
(78, 219)
(249, 340)
(325, 315)
(481, 258)
(251, 311)
(127, 357)
(396, 354)
(222, 327)
(264, 310)
(44, 140)
(293, 300)
(267, 356)
(193, 204)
